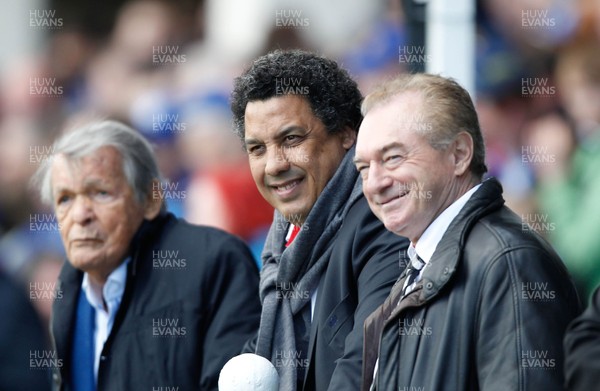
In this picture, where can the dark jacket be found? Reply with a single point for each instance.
(207, 287)
(489, 313)
(360, 273)
(582, 349)
(25, 362)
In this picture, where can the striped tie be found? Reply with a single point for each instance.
(412, 271)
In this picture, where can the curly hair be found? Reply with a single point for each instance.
(333, 96)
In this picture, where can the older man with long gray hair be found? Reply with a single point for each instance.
(148, 301)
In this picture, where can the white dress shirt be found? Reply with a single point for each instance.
(428, 242)
(433, 234)
(106, 306)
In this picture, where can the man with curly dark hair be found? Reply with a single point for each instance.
(333, 96)
(327, 262)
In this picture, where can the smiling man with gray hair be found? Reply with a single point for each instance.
(148, 300)
(484, 302)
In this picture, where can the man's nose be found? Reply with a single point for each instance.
(377, 179)
(277, 161)
(82, 209)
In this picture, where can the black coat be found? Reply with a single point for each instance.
(210, 291)
(489, 313)
(22, 342)
(360, 273)
(582, 349)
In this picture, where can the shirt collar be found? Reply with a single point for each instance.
(429, 240)
(113, 289)
(412, 255)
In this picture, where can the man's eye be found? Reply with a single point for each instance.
(255, 149)
(392, 159)
(62, 200)
(363, 171)
(102, 195)
(292, 140)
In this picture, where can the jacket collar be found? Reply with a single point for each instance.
(487, 199)
(70, 278)
(146, 236)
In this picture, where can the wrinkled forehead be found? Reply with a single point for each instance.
(391, 119)
(104, 163)
(104, 155)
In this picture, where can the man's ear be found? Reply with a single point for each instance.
(154, 201)
(462, 153)
(348, 137)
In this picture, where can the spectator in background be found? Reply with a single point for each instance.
(569, 184)
(20, 135)
(482, 301)
(25, 362)
(327, 261)
(148, 301)
(31, 252)
(41, 274)
(221, 192)
(126, 68)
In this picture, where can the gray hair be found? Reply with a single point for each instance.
(139, 163)
(446, 105)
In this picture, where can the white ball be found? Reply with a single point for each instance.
(248, 372)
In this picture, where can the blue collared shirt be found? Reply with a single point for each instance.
(106, 306)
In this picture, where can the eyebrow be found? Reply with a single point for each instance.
(94, 182)
(88, 183)
(278, 135)
(60, 190)
(382, 150)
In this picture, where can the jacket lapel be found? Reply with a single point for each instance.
(63, 310)
(437, 274)
(373, 328)
(145, 237)
(314, 331)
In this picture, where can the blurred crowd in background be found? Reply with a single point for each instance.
(167, 67)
